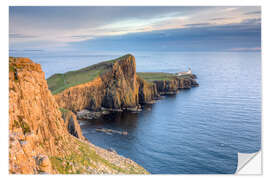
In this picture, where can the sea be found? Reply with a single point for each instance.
(197, 131)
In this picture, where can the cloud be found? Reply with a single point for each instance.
(201, 38)
(246, 49)
(253, 12)
(252, 21)
(63, 27)
(197, 24)
(214, 19)
(14, 36)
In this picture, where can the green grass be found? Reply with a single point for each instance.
(159, 76)
(156, 76)
(22, 124)
(59, 82)
(63, 110)
(87, 157)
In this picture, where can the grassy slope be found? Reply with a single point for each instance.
(159, 76)
(83, 159)
(155, 76)
(60, 82)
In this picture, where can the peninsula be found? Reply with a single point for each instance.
(114, 86)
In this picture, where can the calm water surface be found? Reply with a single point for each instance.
(200, 130)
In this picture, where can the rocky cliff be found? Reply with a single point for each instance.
(71, 123)
(115, 86)
(147, 91)
(39, 138)
(173, 85)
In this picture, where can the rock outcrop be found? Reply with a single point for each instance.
(172, 86)
(114, 89)
(118, 88)
(39, 138)
(148, 91)
(72, 124)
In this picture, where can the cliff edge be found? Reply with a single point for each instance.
(41, 141)
(114, 86)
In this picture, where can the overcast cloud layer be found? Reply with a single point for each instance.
(135, 28)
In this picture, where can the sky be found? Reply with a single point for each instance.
(89, 29)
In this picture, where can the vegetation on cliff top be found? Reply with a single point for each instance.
(160, 76)
(60, 82)
(155, 76)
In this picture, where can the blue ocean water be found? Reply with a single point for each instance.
(197, 131)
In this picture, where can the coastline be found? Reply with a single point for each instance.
(57, 142)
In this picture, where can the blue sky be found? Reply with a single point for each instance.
(87, 29)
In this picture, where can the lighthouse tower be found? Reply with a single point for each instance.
(189, 71)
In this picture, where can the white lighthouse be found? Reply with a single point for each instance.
(189, 71)
(185, 73)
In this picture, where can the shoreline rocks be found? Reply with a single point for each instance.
(111, 131)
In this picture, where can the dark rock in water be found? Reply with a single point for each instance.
(111, 131)
(89, 115)
(112, 150)
(108, 110)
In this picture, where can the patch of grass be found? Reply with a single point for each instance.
(160, 76)
(63, 110)
(156, 76)
(21, 123)
(85, 160)
(89, 153)
(11, 68)
(59, 82)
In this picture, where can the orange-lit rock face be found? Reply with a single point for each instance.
(146, 91)
(115, 89)
(34, 119)
(72, 124)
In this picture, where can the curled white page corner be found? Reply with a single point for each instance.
(249, 163)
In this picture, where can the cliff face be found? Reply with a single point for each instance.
(34, 119)
(147, 91)
(72, 124)
(172, 86)
(116, 88)
(39, 139)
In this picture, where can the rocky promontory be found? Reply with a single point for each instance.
(44, 138)
(114, 86)
(168, 83)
